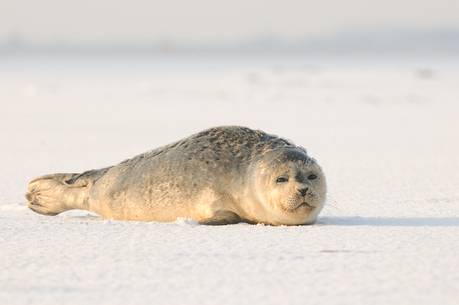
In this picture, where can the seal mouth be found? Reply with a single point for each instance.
(305, 204)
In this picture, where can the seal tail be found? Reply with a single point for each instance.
(56, 193)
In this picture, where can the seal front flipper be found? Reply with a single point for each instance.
(56, 193)
(222, 218)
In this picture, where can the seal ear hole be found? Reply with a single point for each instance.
(312, 177)
(282, 179)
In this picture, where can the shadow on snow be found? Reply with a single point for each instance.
(390, 221)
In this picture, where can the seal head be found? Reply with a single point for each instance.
(290, 186)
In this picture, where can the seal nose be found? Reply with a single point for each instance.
(303, 191)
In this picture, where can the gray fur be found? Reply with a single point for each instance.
(211, 168)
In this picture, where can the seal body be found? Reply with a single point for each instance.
(221, 175)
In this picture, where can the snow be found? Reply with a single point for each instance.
(385, 131)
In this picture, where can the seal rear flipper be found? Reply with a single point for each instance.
(56, 193)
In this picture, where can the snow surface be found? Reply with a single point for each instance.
(384, 130)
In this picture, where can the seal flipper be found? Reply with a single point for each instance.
(56, 193)
(222, 218)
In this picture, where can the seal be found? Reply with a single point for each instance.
(222, 175)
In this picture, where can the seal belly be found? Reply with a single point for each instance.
(147, 192)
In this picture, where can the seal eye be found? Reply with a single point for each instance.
(312, 177)
(281, 180)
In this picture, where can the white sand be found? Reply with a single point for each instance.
(385, 132)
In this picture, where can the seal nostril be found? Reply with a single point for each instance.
(303, 191)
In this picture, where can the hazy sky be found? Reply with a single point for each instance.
(210, 20)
